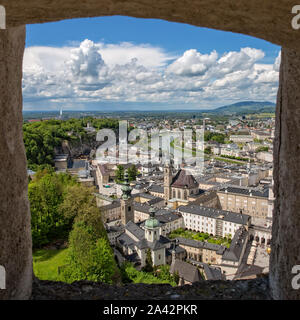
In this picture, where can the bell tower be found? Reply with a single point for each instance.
(152, 227)
(127, 212)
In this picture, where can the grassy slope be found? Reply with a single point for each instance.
(46, 263)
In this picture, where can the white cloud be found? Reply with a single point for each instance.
(193, 63)
(146, 55)
(86, 62)
(242, 60)
(49, 58)
(127, 73)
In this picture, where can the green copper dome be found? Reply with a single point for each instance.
(126, 189)
(152, 222)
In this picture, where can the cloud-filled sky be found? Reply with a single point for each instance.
(154, 65)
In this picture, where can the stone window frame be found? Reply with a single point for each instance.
(286, 152)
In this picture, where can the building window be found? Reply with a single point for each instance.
(178, 194)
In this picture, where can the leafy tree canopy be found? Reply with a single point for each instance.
(120, 173)
(56, 199)
(46, 193)
(42, 137)
(90, 256)
(214, 136)
(132, 173)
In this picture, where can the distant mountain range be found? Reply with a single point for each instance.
(245, 107)
(239, 108)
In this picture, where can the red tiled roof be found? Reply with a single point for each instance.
(182, 179)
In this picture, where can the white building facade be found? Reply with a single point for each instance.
(213, 221)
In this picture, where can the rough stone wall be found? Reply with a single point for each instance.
(15, 235)
(78, 147)
(285, 245)
(255, 289)
(267, 19)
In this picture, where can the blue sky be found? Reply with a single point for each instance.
(207, 67)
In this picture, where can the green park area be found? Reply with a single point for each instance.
(156, 275)
(229, 160)
(200, 236)
(46, 263)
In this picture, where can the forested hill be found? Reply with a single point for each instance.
(42, 138)
(246, 107)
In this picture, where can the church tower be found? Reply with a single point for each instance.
(157, 249)
(127, 212)
(167, 182)
(152, 227)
